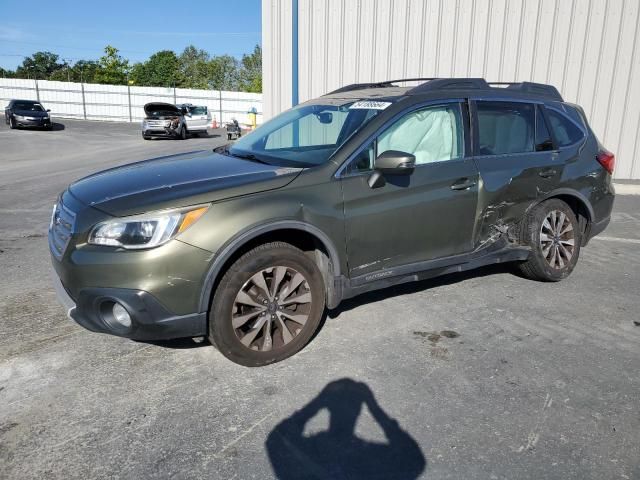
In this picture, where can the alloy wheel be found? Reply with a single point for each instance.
(557, 239)
(271, 308)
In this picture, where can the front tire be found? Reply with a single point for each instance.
(267, 306)
(183, 132)
(552, 231)
(12, 123)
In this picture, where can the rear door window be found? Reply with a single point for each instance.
(564, 130)
(544, 142)
(198, 110)
(505, 128)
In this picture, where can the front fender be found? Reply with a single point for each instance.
(232, 246)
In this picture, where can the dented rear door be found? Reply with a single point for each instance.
(517, 160)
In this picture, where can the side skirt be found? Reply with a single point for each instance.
(499, 252)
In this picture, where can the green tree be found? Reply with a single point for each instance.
(113, 69)
(6, 73)
(251, 71)
(81, 71)
(223, 73)
(85, 71)
(161, 70)
(39, 65)
(194, 68)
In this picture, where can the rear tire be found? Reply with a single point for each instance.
(552, 231)
(286, 298)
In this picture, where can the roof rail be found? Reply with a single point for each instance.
(385, 84)
(417, 79)
(360, 86)
(532, 88)
(431, 84)
(451, 84)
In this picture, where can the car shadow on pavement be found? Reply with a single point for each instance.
(57, 127)
(337, 453)
(414, 287)
(180, 343)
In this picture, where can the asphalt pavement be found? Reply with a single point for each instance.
(481, 375)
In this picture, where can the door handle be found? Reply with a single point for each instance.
(463, 184)
(547, 173)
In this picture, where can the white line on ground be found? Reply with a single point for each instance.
(626, 189)
(617, 239)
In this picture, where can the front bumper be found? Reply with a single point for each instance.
(150, 320)
(167, 133)
(38, 122)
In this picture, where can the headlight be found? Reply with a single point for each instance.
(144, 231)
(20, 117)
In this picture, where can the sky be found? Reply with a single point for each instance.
(76, 29)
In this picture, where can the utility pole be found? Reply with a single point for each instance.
(66, 61)
(84, 104)
(129, 96)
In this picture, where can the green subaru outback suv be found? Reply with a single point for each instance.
(369, 186)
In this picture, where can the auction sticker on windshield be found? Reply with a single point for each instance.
(370, 105)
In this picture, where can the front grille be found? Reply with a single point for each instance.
(62, 224)
(157, 123)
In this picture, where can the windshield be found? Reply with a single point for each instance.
(304, 136)
(30, 107)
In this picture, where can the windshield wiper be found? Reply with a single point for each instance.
(246, 156)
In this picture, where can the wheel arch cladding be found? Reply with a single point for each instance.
(306, 237)
(577, 202)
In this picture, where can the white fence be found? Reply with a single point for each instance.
(124, 103)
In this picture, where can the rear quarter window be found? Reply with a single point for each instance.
(565, 131)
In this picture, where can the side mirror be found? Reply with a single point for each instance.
(48, 109)
(391, 162)
(325, 117)
(394, 162)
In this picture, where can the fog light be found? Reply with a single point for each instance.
(121, 315)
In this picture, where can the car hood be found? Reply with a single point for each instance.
(31, 113)
(177, 181)
(167, 108)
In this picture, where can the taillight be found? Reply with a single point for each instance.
(606, 159)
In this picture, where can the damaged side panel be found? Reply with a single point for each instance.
(510, 184)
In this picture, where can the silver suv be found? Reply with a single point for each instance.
(163, 120)
(197, 117)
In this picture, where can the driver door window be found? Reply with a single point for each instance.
(432, 134)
